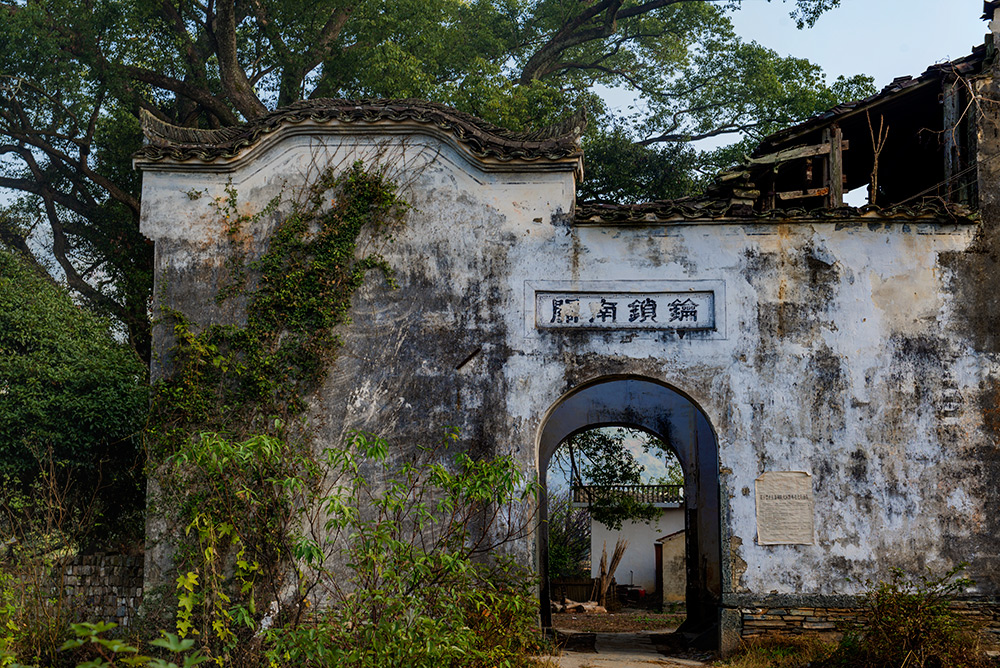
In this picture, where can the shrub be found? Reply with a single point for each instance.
(72, 403)
(310, 563)
(910, 622)
(42, 525)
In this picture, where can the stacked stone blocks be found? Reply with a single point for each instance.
(104, 587)
(830, 623)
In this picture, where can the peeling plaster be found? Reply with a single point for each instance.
(847, 352)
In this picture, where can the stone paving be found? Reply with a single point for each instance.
(621, 650)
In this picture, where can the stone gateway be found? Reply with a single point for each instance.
(761, 328)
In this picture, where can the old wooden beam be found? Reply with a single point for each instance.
(836, 166)
(952, 103)
(802, 194)
(796, 153)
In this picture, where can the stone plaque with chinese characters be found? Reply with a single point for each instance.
(784, 508)
(625, 310)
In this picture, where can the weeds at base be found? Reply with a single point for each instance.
(779, 652)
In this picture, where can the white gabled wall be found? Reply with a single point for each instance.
(640, 557)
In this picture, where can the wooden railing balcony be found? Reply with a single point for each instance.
(651, 494)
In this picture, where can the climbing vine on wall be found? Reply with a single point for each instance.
(234, 463)
(270, 523)
(239, 379)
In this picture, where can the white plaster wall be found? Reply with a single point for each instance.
(761, 396)
(841, 353)
(388, 380)
(640, 557)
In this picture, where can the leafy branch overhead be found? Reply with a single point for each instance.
(608, 458)
(74, 77)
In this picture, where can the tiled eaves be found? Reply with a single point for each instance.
(485, 141)
(713, 211)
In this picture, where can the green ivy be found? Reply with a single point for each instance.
(237, 463)
(237, 379)
(269, 521)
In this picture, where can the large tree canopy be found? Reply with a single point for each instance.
(72, 400)
(74, 75)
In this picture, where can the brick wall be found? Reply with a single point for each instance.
(104, 587)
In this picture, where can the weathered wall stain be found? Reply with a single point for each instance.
(863, 352)
(739, 566)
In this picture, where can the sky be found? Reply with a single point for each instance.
(883, 38)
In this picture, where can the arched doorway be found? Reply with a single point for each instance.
(655, 407)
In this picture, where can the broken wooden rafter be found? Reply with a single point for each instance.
(834, 138)
(802, 194)
(796, 153)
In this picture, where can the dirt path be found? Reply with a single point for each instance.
(625, 650)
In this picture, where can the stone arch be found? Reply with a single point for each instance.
(656, 407)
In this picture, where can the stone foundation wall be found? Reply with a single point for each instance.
(986, 615)
(830, 623)
(104, 587)
(825, 622)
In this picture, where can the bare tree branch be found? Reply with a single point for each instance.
(575, 32)
(234, 79)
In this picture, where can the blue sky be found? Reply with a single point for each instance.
(883, 38)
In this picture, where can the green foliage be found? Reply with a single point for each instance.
(623, 171)
(36, 610)
(910, 621)
(72, 403)
(32, 619)
(244, 516)
(39, 527)
(569, 536)
(417, 591)
(601, 458)
(73, 78)
(114, 652)
(399, 565)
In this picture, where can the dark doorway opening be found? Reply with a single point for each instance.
(659, 409)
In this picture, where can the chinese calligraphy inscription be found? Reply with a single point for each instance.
(646, 310)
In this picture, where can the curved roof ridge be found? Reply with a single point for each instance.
(173, 143)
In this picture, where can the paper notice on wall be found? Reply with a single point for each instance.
(784, 508)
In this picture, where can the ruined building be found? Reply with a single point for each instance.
(828, 375)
